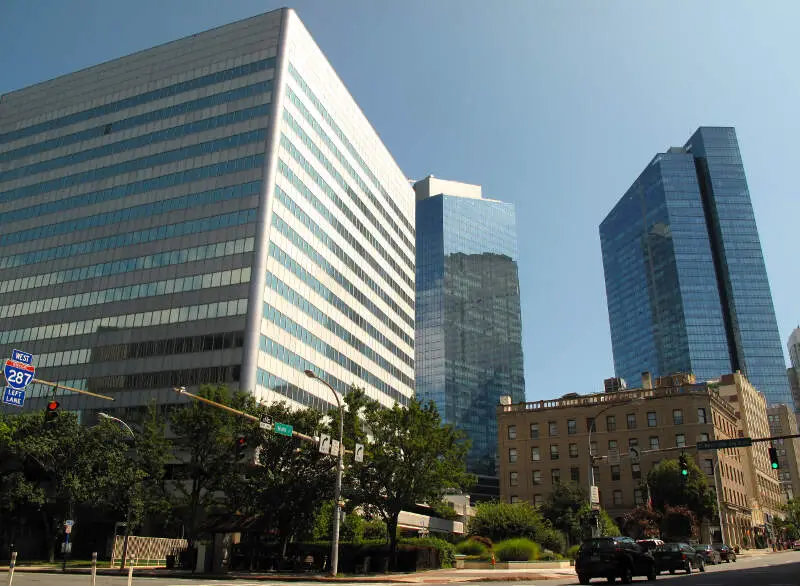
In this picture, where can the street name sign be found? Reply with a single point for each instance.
(739, 442)
(13, 397)
(283, 429)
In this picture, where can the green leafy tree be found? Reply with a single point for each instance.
(568, 509)
(205, 445)
(411, 458)
(292, 480)
(669, 488)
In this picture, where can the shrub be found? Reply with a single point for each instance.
(549, 556)
(471, 547)
(446, 550)
(517, 550)
(552, 539)
(374, 529)
(572, 552)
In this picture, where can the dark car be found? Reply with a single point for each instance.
(709, 553)
(678, 556)
(611, 558)
(726, 552)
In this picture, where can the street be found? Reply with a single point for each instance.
(781, 569)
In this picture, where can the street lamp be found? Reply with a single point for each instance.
(593, 427)
(339, 468)
(130, 496)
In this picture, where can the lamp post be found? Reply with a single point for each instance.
(592, 427)
(337, 494)
(130, 496)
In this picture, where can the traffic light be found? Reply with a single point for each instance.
(773, 458)
(684, 464)
(240, 446)
(52, 410)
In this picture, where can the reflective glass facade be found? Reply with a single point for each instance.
(685, 278)
(198, 213)
(469, 327)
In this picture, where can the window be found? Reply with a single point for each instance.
(573, 450)
(615, 473)
(617, 497)
(633, 442)
(537, 500)
(680, 440)
(612, 445)
(638, 496)
(654, 442)
(708, 466)
(703, 437)
(555, 475)
(512, 455)
(589, 423)
(512, 432)
(552, 428)
(596, 474)
(572, 427)
(537, 477)
(513, 478)
(534, 431)
(652, 420)
(701, 415)
(554, 451)
(677, 416)
(593, 448)
(535, 454)
(636, 470)
(575, 474)
(611, 423)
(631, 417)
(515, 499)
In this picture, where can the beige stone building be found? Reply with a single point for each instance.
(544, 442)
(763, 487)
(782, 421)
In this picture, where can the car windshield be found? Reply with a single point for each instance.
(702, 547)
(597, 545)
(669, 547)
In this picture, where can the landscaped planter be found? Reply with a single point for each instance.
(534, 565)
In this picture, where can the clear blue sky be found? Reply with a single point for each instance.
(555, 106)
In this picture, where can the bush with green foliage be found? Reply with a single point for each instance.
(484, 540)
(446, 550)
(374, 529)
(471, 547)
(517, 550)
(572, 552)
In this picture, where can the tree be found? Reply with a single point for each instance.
(204, 443)
(500, 521)
(568, 509)
(411, 458)
(790, 525)
(292, 480)
(669, 488)
(642, 523)
(678, 523)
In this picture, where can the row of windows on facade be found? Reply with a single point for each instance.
(611, 423)
(617, 497)
(128, 189)
(118, 267)
(555, 451)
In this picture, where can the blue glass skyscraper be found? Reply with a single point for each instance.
(469, 325)
(685, 277)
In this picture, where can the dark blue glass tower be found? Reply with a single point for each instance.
(469, 325)
(685, 277)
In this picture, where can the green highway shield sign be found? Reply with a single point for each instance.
(739, 442)
(283, 429)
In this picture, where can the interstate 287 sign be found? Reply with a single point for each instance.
(19, 370)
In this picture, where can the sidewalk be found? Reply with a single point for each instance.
(429, 576)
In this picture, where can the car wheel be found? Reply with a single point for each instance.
(672, 570)
(583, 579)
(627, 575)
(688, 568)
(651, 575)
(702, 566)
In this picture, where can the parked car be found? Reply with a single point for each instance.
(678, 556)
(795, 545)
(710, 555)
(649, 544)
(726, 552)
(611, 558)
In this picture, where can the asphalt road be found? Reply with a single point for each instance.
(781, 569)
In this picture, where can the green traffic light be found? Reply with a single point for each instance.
(774, 465)
(685, 472)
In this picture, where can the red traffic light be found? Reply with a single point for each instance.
(241, 442)
(52, 406)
